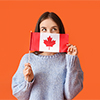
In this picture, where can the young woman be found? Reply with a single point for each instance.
(49, 75)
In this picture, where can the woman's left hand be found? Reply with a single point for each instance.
(72, 50)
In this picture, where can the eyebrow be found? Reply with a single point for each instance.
(54, 26)
(45, 27)
(42, 27)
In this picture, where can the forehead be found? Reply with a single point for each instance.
(48, 23)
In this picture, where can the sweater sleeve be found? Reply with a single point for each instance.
(20, 87)
(74, 77)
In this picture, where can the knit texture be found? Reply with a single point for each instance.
(56, 77)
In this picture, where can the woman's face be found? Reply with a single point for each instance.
(49, 26)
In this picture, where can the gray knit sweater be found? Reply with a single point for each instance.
(57, 77)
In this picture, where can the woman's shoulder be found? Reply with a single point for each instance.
(25, 55)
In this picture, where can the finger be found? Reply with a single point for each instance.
(68, 45)
(27, 72)
(28, 64)
(27, 67)
(75, 51)
(70, 49)
(75, 48)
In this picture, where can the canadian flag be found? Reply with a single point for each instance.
(48, 42)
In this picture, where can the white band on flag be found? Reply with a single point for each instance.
(49, 42)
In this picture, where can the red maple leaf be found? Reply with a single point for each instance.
(49, 42)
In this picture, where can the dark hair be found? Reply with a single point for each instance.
(55, 18)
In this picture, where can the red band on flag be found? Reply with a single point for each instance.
(63, 42)
(34, 41)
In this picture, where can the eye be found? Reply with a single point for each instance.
(43, 29)
(54, 29)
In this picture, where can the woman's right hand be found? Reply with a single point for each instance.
(28, 73)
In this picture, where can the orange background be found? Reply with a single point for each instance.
(82, 22)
